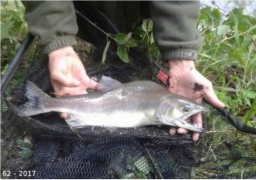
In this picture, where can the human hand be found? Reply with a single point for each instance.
(185, 80)
(67, 73)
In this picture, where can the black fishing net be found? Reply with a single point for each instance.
(60, 151)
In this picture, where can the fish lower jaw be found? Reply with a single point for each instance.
(182, 124)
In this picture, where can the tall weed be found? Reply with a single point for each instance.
(228, 58)
(13, 30)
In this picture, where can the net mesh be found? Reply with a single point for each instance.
(145, 152)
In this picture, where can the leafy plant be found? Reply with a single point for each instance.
(25, 148)
(13, 30)
(230, 43)
(124, 41)
(145, 38)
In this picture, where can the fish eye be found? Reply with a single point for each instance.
(185, 108)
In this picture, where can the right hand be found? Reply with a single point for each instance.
(185, 80)
(67, 73)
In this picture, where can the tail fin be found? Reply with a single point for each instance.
(37, 101)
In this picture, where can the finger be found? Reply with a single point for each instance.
(92, 84)
(182, 131)
(197, 119)
(172, 131)
(211, 97)
(64, 81)
(64, 115)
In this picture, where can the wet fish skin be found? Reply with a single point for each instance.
(133, 104)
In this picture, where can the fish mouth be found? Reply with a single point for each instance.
(188, 126)
(198, 109)
(183, 123)
(201, 108)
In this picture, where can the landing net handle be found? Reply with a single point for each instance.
(5, 79)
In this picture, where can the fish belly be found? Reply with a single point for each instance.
(118, 118)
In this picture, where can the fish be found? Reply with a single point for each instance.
(113, 104)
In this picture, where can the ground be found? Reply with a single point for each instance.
(14, 155)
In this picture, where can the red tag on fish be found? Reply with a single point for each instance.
(162, 76)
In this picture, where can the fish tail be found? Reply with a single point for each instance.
(38, 101)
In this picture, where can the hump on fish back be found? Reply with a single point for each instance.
(107, 84)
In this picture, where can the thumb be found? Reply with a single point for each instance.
(213, 99)
(64, 81)
(93, 85)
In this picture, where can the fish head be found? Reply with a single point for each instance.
(177, 108)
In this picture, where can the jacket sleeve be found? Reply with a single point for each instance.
(175, 29)
(54, 22)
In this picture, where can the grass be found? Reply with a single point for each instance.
(228, 59)
(13, 30)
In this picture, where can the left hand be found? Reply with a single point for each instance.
(185, 80)
(67, 73)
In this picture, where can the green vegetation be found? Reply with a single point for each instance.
(228, 59)
(25, 149)
(13, 30)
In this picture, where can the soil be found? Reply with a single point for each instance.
(11, 160)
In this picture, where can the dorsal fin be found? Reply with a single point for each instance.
(107, 84)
